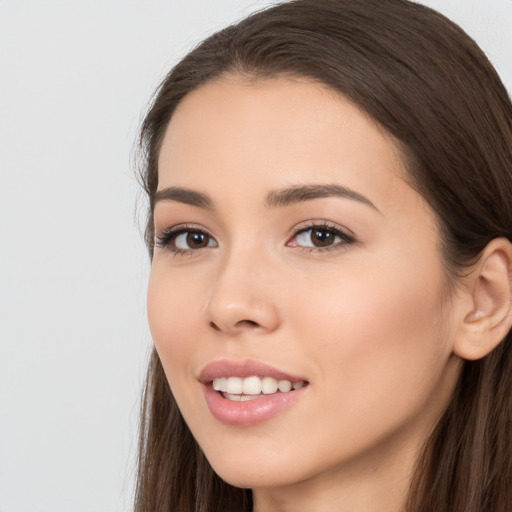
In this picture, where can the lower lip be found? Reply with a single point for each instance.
(250, 412)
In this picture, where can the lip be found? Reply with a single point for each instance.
(250, 412)
(242, 369)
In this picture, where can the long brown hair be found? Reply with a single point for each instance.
(429, 85)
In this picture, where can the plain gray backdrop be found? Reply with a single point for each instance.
(75, 78)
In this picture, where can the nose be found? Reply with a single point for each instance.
(242, 298)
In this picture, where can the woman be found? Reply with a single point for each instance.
(329, 226)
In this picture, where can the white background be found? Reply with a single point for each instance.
(75, 77)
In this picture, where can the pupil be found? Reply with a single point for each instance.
(322, 238)
(197, 240)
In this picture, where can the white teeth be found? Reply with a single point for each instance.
(252, 386)
(240, 389)
(268, 385)
(284, 386)
(234, 385)
(240, 398)
(219, 384)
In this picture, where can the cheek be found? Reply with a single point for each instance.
(364, 295)
(377, 333)
(173, 311)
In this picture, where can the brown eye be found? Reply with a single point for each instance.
(317, 237)
(191, 240)
(196, 240)
(322, 237)
(181, 241)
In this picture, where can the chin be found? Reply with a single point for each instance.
(247, 474)
(254, 481)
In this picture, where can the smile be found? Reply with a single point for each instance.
(253, 387)
(245, 393)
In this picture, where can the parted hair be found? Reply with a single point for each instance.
(428, 84)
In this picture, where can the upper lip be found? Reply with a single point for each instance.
(243, 368)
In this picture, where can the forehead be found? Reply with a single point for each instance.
(275, 133)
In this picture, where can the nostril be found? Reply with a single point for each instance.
(239, 326)
(247, 323)
(214, 326)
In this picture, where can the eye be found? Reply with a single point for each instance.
(320, 237)
(316, 238)
(193, 240)
(181, 240)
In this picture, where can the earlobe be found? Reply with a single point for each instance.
(489, 314)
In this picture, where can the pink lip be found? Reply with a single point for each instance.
(246, 368)
(250, 412)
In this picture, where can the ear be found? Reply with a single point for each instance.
(487, 315)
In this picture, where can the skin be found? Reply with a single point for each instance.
(369, 323)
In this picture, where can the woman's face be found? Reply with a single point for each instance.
(291, 249)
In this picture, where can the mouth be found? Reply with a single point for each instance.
(245, 393)
(238, 389)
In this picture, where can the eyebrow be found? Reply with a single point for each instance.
(301, 193)
(184, 195)
(275, 199)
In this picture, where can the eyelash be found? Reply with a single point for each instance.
(323, 226)
(169, 236)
